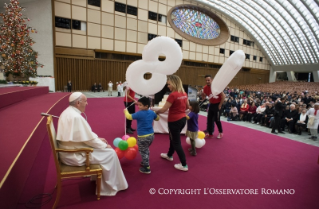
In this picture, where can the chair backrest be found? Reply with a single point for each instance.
(53, 143)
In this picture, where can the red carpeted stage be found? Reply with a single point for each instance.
(244, 160)
(22, 130)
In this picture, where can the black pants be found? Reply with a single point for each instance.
(276, 124)
(131, 110)
(118, 94)
(290, 124)
(265, 120)
(213, 116)
(300, 126)
(257, 118)
(175, 128)
(249, 116)
(69, 88)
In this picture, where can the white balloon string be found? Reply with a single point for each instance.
(126, 108)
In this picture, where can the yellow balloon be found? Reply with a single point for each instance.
(131, 141)
(201, 135)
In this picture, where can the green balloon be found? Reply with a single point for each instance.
(123, 145)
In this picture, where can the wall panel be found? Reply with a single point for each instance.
(83, 72)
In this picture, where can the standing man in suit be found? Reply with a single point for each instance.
(279, 108)
(69, 86)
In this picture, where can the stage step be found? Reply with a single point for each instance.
(11, 95)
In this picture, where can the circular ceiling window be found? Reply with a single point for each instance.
(198, 25)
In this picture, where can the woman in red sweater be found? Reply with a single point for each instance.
(243, 109)
(251, 112)
(176, 104)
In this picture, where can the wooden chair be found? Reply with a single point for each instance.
(65, 171)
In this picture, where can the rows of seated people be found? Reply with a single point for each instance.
(258, 106)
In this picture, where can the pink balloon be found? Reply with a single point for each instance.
(125, 137)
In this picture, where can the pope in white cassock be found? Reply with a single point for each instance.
(74, 132)
(313, 122)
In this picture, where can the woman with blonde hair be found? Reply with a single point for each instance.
(176, 104)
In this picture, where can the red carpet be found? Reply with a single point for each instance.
(19, 132)
(243, 159)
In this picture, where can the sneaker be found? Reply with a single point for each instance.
(164, 155)
(146, 170)
(209, 136)
(128, 131)
(132, 129)
(141, 164)
(220, 135)
(257, 123)
(180, 167)
(192, 153)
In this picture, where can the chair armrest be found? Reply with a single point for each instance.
(75, 150)
(87, 153)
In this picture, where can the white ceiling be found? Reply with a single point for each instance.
(286, 30)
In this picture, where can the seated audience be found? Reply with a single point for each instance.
(244, 109)
(289, 118)
(302, 121)
(100, 88)
(94, 87)
(259, 113)
(233, 113)
(251, 112)
(269, 112)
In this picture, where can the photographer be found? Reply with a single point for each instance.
(279, 108)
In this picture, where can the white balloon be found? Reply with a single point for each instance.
(168, 47)
(135, 77)
(188, 140)
(150, 64)
(227, 72)
(200, 142)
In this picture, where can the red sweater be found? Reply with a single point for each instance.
(244, 108)
(252, 109)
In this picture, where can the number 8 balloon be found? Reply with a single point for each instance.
(150, 64)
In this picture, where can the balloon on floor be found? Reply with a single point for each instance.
(227, 72)
(199, 143)
(125, 147)
(150, 64)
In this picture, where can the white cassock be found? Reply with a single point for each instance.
(74, 132)
(121, 87)
(311, 113)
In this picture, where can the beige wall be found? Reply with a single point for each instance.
(111, 30)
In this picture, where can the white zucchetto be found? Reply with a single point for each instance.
(74, 96)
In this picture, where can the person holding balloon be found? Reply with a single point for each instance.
(145, 132)
(129, 99)
(214, 108)
(177, 104)
(192, 125)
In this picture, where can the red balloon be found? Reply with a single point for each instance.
(120, 153)
(130, 153)
(135, 147)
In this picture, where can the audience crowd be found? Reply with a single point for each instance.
(256, 104)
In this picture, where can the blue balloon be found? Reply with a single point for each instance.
(116, 142)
